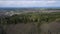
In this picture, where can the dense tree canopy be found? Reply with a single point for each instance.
(30, 18)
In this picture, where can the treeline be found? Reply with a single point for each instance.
(30, 18)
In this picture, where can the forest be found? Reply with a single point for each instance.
(30, 23)
(33, 17)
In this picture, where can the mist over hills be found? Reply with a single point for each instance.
(28, 8)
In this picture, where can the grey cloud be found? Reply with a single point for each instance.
(28, 3)
(29, 0)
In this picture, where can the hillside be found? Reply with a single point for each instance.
(29, 21)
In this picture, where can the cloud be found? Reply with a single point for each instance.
(29, 0)
(28, 3)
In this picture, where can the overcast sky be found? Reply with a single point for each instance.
(29, 3)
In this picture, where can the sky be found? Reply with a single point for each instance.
(29, 3)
